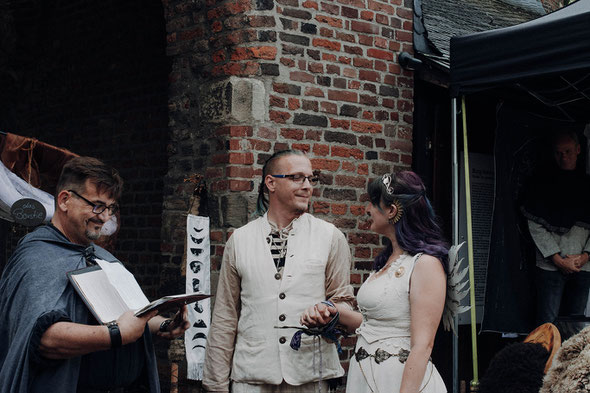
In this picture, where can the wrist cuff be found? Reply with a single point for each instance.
(115, 333)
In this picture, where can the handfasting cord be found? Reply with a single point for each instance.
(329, 331)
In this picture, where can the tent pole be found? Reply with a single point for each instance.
(455, 226)
(475, 381)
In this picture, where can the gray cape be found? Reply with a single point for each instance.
(35, 291)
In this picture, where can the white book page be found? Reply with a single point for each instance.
(125, 284)
(104, 299)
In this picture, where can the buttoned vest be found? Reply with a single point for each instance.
(270, 299)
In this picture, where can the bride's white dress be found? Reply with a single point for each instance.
(384, 335)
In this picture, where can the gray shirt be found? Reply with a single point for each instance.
(575, 241)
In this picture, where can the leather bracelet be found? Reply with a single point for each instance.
(164, 325)
(115, 333)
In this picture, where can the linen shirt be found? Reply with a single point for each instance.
(575, 241)
(253, 298)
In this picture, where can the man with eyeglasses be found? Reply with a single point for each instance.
(274, 268)
(49, 341)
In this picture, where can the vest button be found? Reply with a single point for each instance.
(281, 296)
(282, 317)
(277, 276)
(282, 340)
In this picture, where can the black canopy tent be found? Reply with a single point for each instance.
(541, 69)
(548, 57)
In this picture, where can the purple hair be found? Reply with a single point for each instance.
(418, 230)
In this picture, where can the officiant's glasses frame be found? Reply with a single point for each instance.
(98, 208)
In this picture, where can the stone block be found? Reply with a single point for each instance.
(235, 99)
(234, 210)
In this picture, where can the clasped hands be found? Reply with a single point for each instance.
(317, 315)
(571, 263)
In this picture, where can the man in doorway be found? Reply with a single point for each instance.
(273, 269)
(49, 341)
(558, 214)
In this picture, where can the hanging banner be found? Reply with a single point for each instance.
(197, 280)
(13, 189)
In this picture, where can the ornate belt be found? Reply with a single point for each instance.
(381, 355)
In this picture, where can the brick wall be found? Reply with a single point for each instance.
(92, 77)
(253, 77)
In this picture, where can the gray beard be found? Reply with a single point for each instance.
(92, 235)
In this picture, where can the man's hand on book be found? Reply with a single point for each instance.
(178, 326)
(132, 327)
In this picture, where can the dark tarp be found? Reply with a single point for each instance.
(556, 43)
(542, 67)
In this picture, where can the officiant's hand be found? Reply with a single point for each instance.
(178, 326)
(132, 327)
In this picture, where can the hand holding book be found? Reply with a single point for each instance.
(109, 290)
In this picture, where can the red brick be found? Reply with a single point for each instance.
(304, 147)
(240, 131)
(363, 238)
(314, 91)
(337, 123)
(325, 164)
(310, 4)
(339, 151)
(317, 68)
(382, 19)
(276, 101)
(294, 104)
(355, 85)
(216, 236)
(380, 54)
(190, 34)
(267, 133)
(345, 37)
(404, 13)
(388, 156)
(313, 135)
(220, 159)
(240, 185)
(261, 21)
(220, 185)
(292, 133)
(334, 22)
(349, 72)
(406, 159)
(256, 144)
(321, 207)
(362, 252)
(380, 7)
(404, 36)
(365, 40)
(239, 171)
(362, 62)
(361, 126)
(300, 76)
(329, 107)
(279, 117)
(388, 103)
(381, 43)
(363, 169)
(344, 60)
(404, 105)
(339, 209)
(357, 210)
(367, 15)
(212, 173)
(302, 64)
(325, 32)
(330, 45)
(332, 69)
(351, 181)
(287, 62)
(368, 115)
(348, 166)
(219, 56)
(216, 26)
(241, 158)
(342, 95)
(321, 150)
(364, 27)
(369, 76)
(263, 52)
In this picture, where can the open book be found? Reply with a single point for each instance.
(110, 290)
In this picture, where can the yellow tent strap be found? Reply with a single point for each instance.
(475, 381)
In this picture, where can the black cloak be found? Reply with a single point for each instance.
(35, 292)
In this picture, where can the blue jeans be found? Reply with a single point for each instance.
(560, 294)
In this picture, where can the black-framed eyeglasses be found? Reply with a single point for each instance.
(300, 179)
(98, 208)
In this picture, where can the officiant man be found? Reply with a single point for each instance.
(49, 341)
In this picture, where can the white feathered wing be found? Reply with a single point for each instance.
(455, 289)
